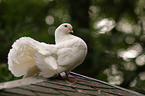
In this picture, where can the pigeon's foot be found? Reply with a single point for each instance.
(66, 77)
(70, 79)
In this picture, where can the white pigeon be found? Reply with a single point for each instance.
(29, 57)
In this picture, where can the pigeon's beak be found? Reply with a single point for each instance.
(71, 30)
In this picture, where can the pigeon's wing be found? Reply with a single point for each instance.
(46, 63)
(26, 53)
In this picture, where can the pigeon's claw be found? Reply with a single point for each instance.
(66, 77)
(70, 79)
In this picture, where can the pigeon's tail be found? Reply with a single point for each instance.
(28, 54)
(20, 57)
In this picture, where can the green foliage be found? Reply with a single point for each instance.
(112, 29)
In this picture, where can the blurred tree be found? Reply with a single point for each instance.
(113, 29)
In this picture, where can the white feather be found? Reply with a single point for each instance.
(29, 57)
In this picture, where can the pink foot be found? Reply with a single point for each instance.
(67, 77)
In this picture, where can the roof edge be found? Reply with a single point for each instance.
(93, 79)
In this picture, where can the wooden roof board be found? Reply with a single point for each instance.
(83, 86)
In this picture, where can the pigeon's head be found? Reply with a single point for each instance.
(65, 28)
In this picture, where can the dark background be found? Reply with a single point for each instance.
(114, 31)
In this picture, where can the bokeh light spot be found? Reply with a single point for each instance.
(140, 60)
(129, 40)
(104, 25)
(49, 20)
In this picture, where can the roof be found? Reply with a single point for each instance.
(83, 86)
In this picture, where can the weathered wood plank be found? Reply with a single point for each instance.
(83, 86)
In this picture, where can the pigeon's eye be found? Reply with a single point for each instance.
(65, 25)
